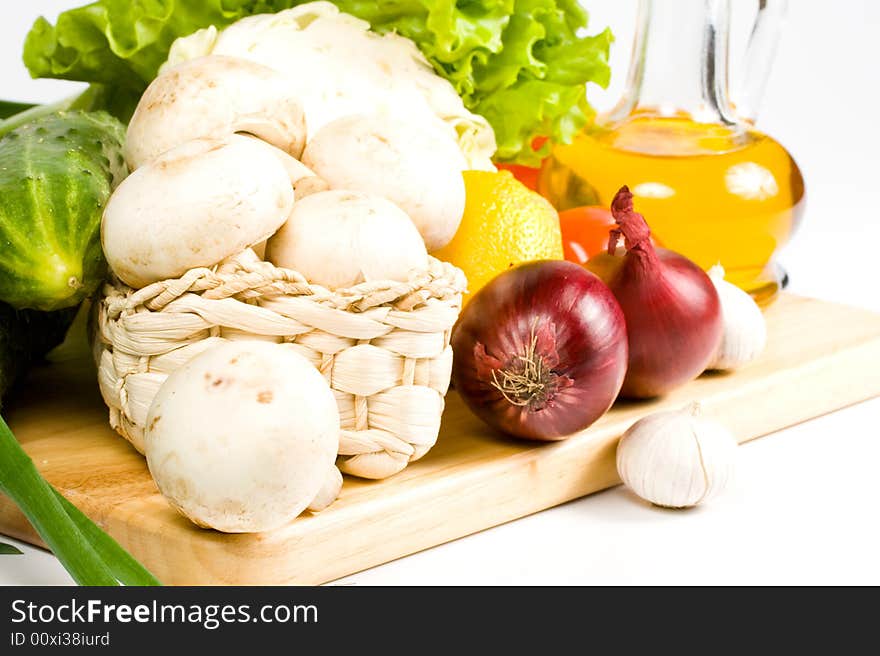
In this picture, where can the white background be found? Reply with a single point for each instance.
(803, 509)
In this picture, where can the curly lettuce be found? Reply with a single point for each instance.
(522, 64)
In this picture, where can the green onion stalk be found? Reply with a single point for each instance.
(90, 555)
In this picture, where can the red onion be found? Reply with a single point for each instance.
(673, 314)
(540, 352)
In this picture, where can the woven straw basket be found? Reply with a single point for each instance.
(382, 346)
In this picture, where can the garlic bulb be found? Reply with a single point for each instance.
(676, 459)
(745, 331)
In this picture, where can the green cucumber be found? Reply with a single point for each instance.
(25, 337)
(56, 174)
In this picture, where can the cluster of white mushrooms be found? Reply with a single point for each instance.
(219, 160)
(244, 437)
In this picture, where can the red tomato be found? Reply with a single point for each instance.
(525, 174)
(585, 232)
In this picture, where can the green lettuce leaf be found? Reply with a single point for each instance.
(120, 44)
(523, 64)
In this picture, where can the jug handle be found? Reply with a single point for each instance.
(760, 52)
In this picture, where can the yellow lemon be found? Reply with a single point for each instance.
(504, 224)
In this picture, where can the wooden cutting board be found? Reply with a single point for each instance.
(820, 357)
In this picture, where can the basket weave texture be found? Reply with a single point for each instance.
(382, 346)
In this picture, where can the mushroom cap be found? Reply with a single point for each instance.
(195, 205)
(340, 238)
(415, 164)
(243, 437)
(214, 96)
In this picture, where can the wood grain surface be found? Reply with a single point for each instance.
(820, 357)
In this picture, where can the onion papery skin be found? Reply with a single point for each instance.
(673, 318)
(567, 322)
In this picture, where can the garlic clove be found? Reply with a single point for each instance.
(676, 459)
(745, 330)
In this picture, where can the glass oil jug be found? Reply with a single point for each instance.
(710, 185)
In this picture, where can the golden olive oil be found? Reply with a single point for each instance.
(712, 192)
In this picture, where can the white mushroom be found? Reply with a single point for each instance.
(415, 164)
(193, 206)
(243, 437)
(215, 96)
(341, 238)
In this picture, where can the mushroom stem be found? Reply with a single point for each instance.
(328, 492)
(305, 182)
